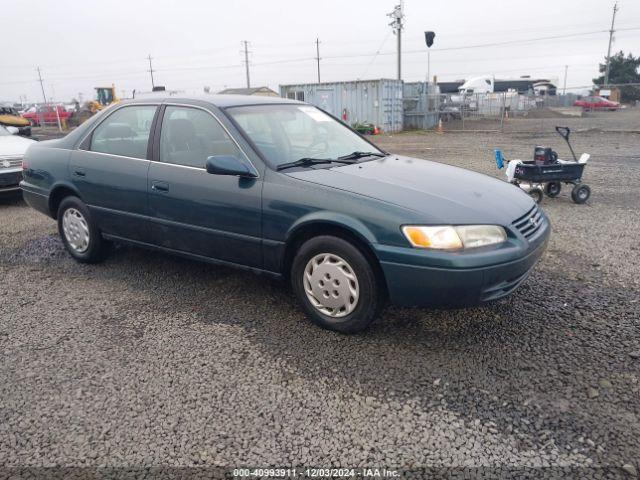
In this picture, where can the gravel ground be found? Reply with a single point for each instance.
(153, 361)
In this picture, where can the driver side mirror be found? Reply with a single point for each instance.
(229, 165)
(12, 130)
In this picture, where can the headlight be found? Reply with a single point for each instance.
(454, 238)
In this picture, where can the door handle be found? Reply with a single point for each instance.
(79, 173)
(160, 186)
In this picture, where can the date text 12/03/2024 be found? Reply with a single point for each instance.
(316, 472)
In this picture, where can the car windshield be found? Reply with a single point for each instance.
(287, 133)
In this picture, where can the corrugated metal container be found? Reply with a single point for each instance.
(421, 111)
(375, 101)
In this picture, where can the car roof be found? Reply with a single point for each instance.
(220, 101)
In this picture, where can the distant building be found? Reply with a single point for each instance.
(610, 93)
(259, 91)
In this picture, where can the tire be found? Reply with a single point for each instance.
(552, 189)
(360, 296)
(580, 193)
(80, 236)
(536, 193)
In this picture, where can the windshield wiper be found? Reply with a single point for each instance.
(356, 155)
(308, 161)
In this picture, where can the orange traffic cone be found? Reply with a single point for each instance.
(376, 131)
(439, 129)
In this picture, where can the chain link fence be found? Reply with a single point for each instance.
(480, 111)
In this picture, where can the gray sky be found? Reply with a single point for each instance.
(80, 44)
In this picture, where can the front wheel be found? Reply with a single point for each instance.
(336, 284)
(80, 236)
(580, 193)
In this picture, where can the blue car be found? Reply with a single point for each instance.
(282, 188)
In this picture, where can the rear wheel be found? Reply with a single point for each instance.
(536, 194)
(552, 189)
(80, 236)
(336, 284)
(580, 193)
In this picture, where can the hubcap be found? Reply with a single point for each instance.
(76, 230)
(331, 285)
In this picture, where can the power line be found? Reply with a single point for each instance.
(130, 74)
(482, 45)
(373, 59)
(279, 46)
(133, 74)
(335, 56)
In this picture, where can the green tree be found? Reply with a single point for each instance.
(623, 69)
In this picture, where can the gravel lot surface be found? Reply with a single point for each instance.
(151, 360)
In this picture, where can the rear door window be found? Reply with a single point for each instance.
(189, 136)
(125, 133)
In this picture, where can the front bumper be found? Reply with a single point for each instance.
(491, 274)
(10, 180)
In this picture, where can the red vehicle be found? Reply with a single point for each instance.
(596, 103)
(46, 114)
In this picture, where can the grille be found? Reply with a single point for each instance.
(530, 223)
(10, 162)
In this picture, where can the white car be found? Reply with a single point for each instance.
(12, 149)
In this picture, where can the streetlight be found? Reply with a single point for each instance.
(428, 38)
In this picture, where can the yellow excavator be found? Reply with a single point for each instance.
(105, 96)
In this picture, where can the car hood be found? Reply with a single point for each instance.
(438, 193)
(13, 145)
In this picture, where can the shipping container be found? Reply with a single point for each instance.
(375, 101)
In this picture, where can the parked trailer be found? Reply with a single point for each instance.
(375, 101)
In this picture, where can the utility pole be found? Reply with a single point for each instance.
(318, 57)
(613, 20)
(246, 61)
(42, 85)
(564, 88)
(153, 85)
(397, 15)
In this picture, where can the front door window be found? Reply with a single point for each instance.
(189, 136)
